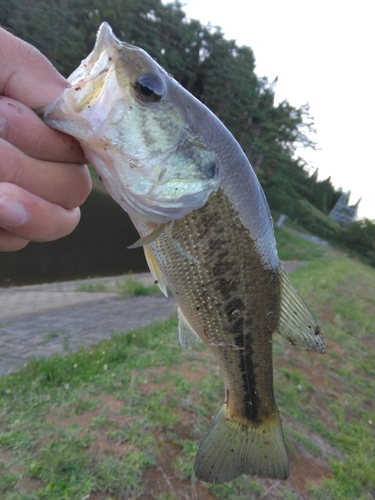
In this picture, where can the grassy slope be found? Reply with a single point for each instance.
(124, 418)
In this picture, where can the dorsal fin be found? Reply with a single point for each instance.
(297, 323)
(155, 271)
(187, 335)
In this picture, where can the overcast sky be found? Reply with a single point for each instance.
(323, 54)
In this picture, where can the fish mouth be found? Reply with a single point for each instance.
(85, 95)
(99, 60)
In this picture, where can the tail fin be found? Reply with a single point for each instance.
(231, 448)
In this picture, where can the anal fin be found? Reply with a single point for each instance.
(187, 335)
(297, 323)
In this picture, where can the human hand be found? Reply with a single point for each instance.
(42, 177)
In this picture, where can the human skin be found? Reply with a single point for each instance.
(43, 178)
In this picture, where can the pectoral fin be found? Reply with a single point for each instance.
(297, 324)
(149, 238)
(187, 335)
(155, 271)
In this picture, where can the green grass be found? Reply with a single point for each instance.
(341, 291)
(290, 246)
(92, 287)
(123, 419)
(126, 286)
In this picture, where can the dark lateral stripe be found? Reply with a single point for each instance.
(251, 402)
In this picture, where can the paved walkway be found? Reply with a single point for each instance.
(40, 320)
(45, 319)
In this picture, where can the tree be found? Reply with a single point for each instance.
(49, 26)
(360, 238)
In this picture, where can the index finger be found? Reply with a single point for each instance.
(21, 127)
(26, 75)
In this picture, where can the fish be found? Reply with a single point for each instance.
(207, 233)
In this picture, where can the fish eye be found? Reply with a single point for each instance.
(149, 88)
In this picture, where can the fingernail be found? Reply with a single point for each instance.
(12, 212)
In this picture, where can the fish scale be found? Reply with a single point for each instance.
(240, 291)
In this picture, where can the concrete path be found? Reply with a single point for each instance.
(44, 319)
(40, 320)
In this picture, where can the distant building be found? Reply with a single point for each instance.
(343, 213)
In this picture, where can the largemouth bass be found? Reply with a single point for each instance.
(207, 232)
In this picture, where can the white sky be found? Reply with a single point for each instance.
(323, 52)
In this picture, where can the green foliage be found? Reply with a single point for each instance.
(116, 476)
(291, 246)
(321, 194)
(216, 71)
(129, 287)
(83, 405)
(92, 287)
(308, 444)
(193, 53)
(360, 238)
(240, 489)
(316, 222)
(125, 287)
(185, 460)
(49, 26)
